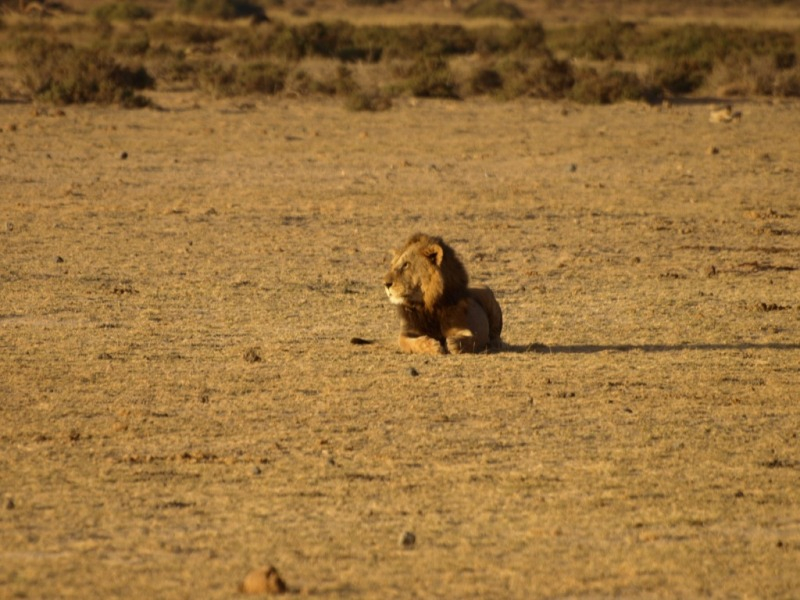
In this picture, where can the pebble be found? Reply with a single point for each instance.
(413, 372)
(408, 539)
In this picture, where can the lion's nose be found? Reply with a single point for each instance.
(388, 284)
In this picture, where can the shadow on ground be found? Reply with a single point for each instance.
(596, 348)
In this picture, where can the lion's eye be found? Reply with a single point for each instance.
(404, 266)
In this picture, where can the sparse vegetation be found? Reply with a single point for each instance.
(497, 9)
(122, 11)
(63, 74)
(602, 61)
(221, 9)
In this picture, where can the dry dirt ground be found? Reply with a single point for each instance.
(181, 401)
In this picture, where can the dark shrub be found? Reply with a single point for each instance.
(544, 77)
(602, 40)
(430, 77)
(485, 81)
(494, 9)
(122, 11)
(681, 76)
(221, 9)
(63, 74)
(592, 87)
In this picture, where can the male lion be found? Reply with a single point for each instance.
(440, 314)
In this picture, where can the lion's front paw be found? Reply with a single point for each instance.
(462, 344)
(421, 345)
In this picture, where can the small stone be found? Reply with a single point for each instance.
(408, 539)
(255, 470)
(252, 355)
(59, 259)
(265, 580)
(711, 271)
(413, 372)
(712, 150)
(123, 155)
(10, 504)
(571, 168)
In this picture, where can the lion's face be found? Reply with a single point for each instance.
(425, 273)
(413, 271)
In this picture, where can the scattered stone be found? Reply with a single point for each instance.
(59, 259)
(408, 539)
(357, 341)
(10, 504)
(264, 580)
(572, 167)
(252, 355)
(712, 150)
(123, 155)
(413, 372)
(9, 226)
(711, 271)
(739, 494)
(256, 470)
(724, 114)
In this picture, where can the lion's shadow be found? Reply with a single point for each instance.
(538, 348)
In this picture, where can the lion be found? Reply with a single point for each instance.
(440, 313)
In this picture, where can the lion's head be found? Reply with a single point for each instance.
(425, 273)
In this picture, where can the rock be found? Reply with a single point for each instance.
(408, 539)
(252, 355)
(264, 580)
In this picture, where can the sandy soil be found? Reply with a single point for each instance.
(181, 401)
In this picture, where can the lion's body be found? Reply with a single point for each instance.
(439, 311)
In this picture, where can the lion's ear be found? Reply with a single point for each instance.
(434, 253)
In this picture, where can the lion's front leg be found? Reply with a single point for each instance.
(421, 344)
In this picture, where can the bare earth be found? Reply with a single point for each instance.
(181, 401)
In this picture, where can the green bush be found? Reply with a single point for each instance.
(60, 73)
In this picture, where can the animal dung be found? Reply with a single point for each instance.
(264, 580)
